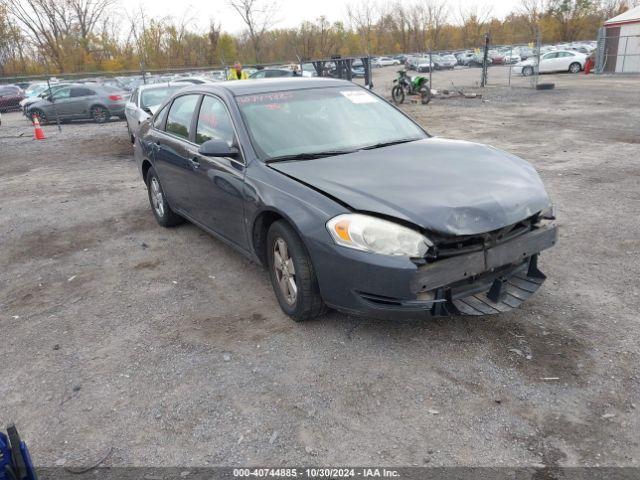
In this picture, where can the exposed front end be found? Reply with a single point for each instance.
(467, 275)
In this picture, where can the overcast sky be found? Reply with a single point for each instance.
(292, 12)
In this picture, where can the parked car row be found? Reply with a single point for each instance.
(498, 55)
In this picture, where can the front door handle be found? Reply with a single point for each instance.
(194, 162)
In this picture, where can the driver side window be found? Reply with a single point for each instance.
(62, 94)
(214, 122)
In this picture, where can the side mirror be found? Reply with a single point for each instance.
(50, 98)
(217, 148)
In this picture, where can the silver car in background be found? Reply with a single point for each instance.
(143, 102)
(80, 101)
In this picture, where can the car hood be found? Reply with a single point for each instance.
(445, 186)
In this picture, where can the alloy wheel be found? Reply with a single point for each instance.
(284, 271)
(156, 197)
(100, 115)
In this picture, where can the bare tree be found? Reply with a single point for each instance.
(401, 24)
(46, 23)
(258, 16)
(474, 21)
(326, 37)
(213, 35)
(87, 15)
(437, 13)
(55, 25)
(363, 17)
(532, 12)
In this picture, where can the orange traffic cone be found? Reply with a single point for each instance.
(38, 133)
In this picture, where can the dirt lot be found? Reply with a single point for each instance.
(170, 349)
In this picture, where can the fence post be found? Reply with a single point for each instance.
(624, 55)
(600, 52)
(485, 58)
(510, 60)
(53, 103)
(536, 70)
(430, 69)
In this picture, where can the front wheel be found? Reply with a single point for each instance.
(292, 274)
(397, 94)
(39, 114)
(527, 71)
(575, 67)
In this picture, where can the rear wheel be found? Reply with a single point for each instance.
(292, 274)
(425, 95)
(161, 209)
(527, 71)
(100, 114)
(575, 67)
(397, 94)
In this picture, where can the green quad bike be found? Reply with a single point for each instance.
(406, 85)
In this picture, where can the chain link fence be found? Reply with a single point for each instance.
(618, 52)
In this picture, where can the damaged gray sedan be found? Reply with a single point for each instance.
(346, 201)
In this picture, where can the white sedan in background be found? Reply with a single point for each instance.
(144, 101)
(385, 62)
(556, 61)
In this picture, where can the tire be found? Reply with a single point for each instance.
(527, 71)
(397, 94)
(100, 114)
(425, 96)
(158, 201)
(42, 118)
(575, 67)
(292, 274)
(132, 139)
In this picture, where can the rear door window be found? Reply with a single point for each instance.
(181, 114)
(81, 92)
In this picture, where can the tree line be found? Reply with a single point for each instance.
(64, 36)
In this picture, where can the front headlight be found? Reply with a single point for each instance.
(371, 234)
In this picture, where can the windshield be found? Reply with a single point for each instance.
(337, 119)
(155, 96)
(35, 90)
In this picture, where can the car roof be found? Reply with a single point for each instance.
(245, 87)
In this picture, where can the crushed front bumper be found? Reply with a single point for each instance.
(488, 281)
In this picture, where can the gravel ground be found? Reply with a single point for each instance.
(167, 348)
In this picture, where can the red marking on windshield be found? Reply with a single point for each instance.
(277, 97)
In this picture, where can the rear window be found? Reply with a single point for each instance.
(156, 96)
(9, 90)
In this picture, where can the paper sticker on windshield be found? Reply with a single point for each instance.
(358, 96)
